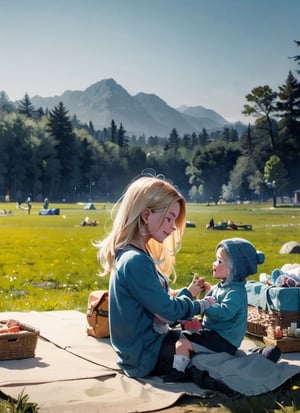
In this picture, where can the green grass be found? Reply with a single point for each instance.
(49, 263)
(49, 251)
(271, 229)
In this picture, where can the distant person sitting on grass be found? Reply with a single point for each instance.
(29, 205)
(46, 203)
(211, 224)
(87, 222)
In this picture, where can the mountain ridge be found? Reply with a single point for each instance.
(140, 114)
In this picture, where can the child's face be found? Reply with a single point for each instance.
(220, 265)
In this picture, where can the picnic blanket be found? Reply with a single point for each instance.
(72, 372)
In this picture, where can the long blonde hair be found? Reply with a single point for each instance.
(145, 192)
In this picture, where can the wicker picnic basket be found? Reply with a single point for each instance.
(286, 344)
(19, 345)
(262, 323)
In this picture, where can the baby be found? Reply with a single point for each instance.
(225, 321)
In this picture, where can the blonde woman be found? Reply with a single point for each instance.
(139, 254)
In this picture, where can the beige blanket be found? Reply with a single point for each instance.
(82, 373)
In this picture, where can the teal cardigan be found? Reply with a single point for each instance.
(136, 295)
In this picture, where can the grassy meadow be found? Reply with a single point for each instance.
(49, 262)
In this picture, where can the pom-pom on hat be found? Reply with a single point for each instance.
(243, 257)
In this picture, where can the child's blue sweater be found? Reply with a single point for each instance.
(228, 316)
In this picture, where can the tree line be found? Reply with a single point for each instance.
(48, 153)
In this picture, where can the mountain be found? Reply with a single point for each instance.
(142, 114)
(164, 114)
(203, 113)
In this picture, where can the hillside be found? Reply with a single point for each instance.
(142, 114)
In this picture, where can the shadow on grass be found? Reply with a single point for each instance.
(284, 399)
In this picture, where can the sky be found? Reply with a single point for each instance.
(188, 52)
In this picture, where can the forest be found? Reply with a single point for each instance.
(48, 153)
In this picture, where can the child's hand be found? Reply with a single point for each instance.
(199, 286)
(206, 302)
(210, 299)
(207, 287)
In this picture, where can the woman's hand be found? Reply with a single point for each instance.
(197, 285)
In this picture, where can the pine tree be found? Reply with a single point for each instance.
(25, 106)
(121, 137)
(262, 101)
(60, 127)
(288, 104)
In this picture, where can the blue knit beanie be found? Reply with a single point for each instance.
(243, 257)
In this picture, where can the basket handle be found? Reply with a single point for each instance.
(10, 340)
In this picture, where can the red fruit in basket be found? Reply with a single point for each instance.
(14, 329)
